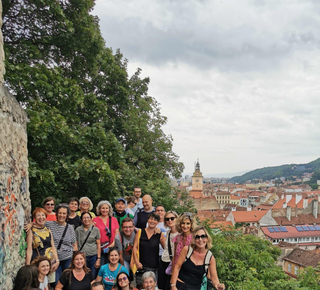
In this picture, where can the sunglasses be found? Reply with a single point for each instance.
(122, 279)
(188, 214)
(170, 219)
(49, 204)
(197, 237)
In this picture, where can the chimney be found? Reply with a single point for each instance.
(288, 215)
(288, 197)
(298, 198)
(315, 208)
(305, 202)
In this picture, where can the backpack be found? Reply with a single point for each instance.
(206, 259)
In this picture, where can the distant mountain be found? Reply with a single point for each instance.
(225, 175)
(287, 171)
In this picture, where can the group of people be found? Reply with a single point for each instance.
(72, 248)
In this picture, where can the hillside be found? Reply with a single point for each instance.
(287, 171)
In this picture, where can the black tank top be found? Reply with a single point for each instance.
(191, 274)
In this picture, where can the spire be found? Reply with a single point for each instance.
(197, 167)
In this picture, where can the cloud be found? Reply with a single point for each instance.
(228, 35)
(238, 80)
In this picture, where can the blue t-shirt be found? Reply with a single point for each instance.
(108, 277)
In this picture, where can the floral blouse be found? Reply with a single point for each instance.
(178, 240)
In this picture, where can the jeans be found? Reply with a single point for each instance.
(91, 260)
(62, 266)
(104, 259)
(127, 265)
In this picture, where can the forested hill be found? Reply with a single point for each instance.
(287, 171)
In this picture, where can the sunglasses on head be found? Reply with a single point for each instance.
(198, 237)
(188, 214)
(170, 218)
(122, 279)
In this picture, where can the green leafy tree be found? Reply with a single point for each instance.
(248, 262)
(93, 130)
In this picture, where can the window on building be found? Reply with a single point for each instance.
(296, 270)
(289, 267)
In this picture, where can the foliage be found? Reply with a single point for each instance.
(93, 130)
(313, 181)
(248, 262)
(287, 171)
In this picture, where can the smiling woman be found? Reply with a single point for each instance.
(43, 265)
(64, 238)
(108, 273)
(78, 276)
(195, 263)
(148, 246)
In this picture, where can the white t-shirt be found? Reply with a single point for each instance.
(44, 284)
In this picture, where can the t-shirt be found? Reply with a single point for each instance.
(66, 250)
(125, 245)
(75, 222)
(108, 276)
(141, 218)
(90, 247)
(137, 206)
(129, 210)
(164, 231)
(165, 256)
(44, 285)
(102, 228)
(75, 284)
(121, 217)
(51, 217)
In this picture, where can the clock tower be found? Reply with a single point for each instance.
(197, 178)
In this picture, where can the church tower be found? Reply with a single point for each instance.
(197, 178)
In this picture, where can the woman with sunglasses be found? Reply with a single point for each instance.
(194, 262)
(167, 256)
(108, 227)
(85, 205)
(123, 282)
(48, 204)
(186, 223)
(78, 276)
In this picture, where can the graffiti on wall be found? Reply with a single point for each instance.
(13, 208)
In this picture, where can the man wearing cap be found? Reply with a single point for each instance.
(120, 212)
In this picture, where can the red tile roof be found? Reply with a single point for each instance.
(248, 216)
(221, 224)
(303, 258)
(292, 232)
(301, 219)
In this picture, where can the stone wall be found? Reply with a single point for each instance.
(15, 202)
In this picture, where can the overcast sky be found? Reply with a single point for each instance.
(238, 80)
